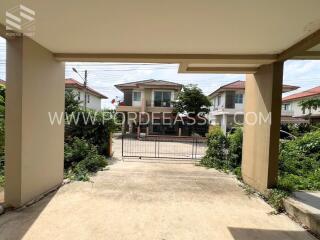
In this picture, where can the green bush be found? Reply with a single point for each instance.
(94, 162)
(1, 174)
(235, 140)
(76, 150)
(216, 151)
(81, 159)
(78, 173)
(95, 127)
(299, 163)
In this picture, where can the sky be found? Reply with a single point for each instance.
(103, 76)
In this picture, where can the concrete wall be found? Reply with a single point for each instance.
(261, 140)
(34, 148)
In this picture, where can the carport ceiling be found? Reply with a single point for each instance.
(256, 30)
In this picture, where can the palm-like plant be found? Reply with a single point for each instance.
(310, 104)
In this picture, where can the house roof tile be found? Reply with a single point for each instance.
(72, 83)
(149, 83)
(308, 93)
(240, 85)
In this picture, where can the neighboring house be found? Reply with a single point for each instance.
(227, 104)
(93, 97)
(291, 108)
(154, 97)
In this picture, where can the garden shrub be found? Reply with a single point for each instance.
(87, 135)
(296, 129)
(94, 162)
(299, 163)
(1, 174)
(235, 140)
(216, 151)
(76, 150)
(95, 127)
(82, 159)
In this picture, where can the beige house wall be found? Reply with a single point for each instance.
(34, 147)
(148, 96)
(261, 140)
(296, 110)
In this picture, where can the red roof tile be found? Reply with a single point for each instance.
(74, 84)
(150, 83)
(309, 93)
(71, 83)
(240, 85)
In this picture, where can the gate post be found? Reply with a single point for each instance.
(122, 139)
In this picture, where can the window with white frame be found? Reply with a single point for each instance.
(238, 98)
(218, 100)
(286, 107)
(136, 96)
(162, 98)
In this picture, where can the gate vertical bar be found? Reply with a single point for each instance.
(122, 139)
(155, 147)
(192, 147)
(196, 148)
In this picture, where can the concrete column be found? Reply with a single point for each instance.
(143, 100)
(224, 123)
(261, 134)
(34, 147)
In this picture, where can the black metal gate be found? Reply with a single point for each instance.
(160, 146)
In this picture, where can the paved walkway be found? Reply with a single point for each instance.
(146, 201)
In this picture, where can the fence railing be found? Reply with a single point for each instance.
(159, 146)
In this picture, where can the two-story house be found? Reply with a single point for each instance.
(291, 105)
(227, 104)
(152, 97)
(93, 97)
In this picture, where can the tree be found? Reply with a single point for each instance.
(72, 104)
(192, 100)
(313, 103)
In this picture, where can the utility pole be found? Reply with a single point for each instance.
(85, 79)
(85, 89)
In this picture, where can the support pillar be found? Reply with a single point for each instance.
(224, 123)
(34, 147)
(261, 134)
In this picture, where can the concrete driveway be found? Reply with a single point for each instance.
(147, 200)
